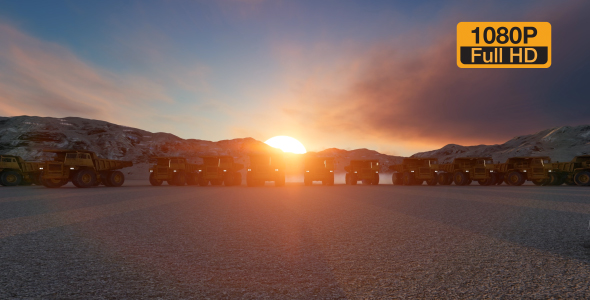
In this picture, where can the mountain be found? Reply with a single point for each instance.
(27, 136)
(559, 143)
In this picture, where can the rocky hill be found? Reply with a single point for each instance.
(27, 136)
(560, 143)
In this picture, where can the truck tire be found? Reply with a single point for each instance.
(353, 179)
(499, 178)
(10, 178)
(569, 180)
(347, 178)
(116, 178)
(331, 179)
(582, 178)
(84, 178)
(238, 179)
(179, 179)
(515, 178)
(555, 179)
(375, 179)
(37, 179)
(54, 183)
(154, 181)
(443, 179)
(306, 179)
(250, 181)
(433, 180)
(396, 179)
(540, 182)
(407, 178)
(460, 178)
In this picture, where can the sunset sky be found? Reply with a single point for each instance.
(348, 74)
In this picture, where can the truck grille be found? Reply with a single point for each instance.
(424, 170)
(480, 170)
(54, 168)
(162, 170)
(538, 170)
(211, 169)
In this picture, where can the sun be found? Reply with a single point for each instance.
(287, 144)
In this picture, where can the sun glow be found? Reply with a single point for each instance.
(287, 144)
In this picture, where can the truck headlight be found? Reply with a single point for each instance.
(524, 171)
(249, 170)
(467, 171)
(331, 171)
(491, 171)
(412, 171)
(376, 171)
(224, 170)
(549, 170)
(151, 171)
(71, 168)
(354, 172)
(276, 170)
(307, 171)
(41, 168)
(174, 171)
(200, 170)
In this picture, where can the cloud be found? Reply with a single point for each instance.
(410, 91)
(43, 78)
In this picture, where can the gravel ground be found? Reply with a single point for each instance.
(295, 242)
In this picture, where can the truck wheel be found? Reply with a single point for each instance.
(179, 179)
(238, 178)
(442, 178)
(347, 178)
(407, 178)
(353, 179)
(306, 180)
(54, 183)
(556, 179)
(11, 178)
(539, 182)
(433, 180)
(376, 179)
(499, 178)
(37, 179)
(582, 178)
(84, 178)
(396, 179)
(154, 181)
(460, 178)
(494, 178)
(116, 178)
(569, 181)
(228, 179)
(515, 178)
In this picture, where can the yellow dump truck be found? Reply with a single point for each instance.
(219, 170)
(266, 167)
(539, 170)
(576, 172)
(173, 170)
(414, 171)
(318, 169)
(465, 170)
(83, 168)
(365, 170)
(15, 171)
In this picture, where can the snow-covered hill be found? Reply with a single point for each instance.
(561, 144)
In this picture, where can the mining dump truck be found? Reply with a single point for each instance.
(414, 171)
(83, 168)
(15, 171)
(173, 170)
(220, 170)
(465, 170)
(576, 172)
(318, 169)
(266, 167)
(539, 170)
(365, 170)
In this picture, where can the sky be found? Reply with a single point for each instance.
(380, 75)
